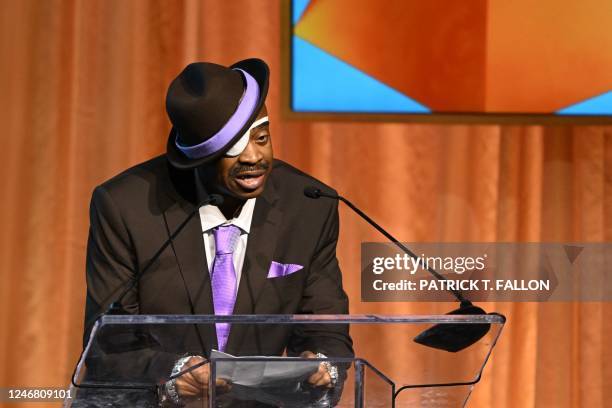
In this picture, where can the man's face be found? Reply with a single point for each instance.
(244, 176)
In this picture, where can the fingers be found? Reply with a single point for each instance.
(308, 354)
(186, 387)
(222, 386)
(195, 382)
(202, 376)
(321, 378)
(201, 373)
(221, 383)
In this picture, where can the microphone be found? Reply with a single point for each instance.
(120, 341)
(451, 337)
(313, 192)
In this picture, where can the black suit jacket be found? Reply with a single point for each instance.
(134, 213)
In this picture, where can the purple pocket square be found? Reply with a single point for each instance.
(278, 270)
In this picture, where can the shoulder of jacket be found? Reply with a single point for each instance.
(288, 176)
(139, 174)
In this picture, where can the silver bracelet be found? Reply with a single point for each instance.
(332, 370)
(171, 385)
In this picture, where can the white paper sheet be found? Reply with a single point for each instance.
(265, 373)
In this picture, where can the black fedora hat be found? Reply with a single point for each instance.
(210, 107)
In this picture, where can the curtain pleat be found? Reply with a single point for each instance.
(82, 97)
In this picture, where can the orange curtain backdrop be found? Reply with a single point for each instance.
(82, 97)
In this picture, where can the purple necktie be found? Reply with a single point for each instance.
(224, 277)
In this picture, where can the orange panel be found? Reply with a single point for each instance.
(433, 51)
(544, 55)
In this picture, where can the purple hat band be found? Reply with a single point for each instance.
(235, 123)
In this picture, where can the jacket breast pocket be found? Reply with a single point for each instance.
(287, 288)
(280, 270)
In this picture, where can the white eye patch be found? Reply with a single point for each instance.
(242, 143)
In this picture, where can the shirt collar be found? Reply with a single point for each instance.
(211, 217)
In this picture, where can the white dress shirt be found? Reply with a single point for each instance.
(211, 217)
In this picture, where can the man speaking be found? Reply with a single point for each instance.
(266, 249)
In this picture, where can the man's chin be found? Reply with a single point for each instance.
(240, 194)
(245, 195)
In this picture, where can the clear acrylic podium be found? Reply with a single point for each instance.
(128, 358)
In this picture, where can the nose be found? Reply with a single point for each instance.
(251, 154)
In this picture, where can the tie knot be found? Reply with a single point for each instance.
(226, 237)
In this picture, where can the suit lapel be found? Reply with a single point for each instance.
(189, 250)
(260, 250)
(190, 256)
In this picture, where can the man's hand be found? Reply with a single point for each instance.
(321, 378)
(195, 383)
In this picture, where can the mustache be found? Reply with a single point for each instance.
(240, 168)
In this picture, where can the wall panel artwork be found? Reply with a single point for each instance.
(540, 57)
